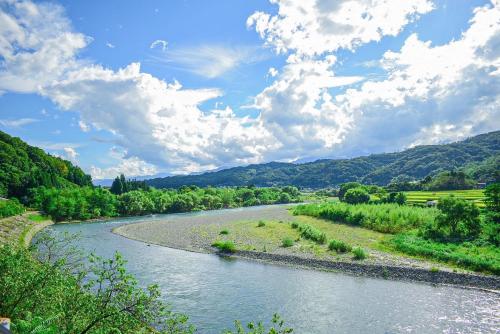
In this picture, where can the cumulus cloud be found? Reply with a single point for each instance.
(109, 45)
(272, 72)
(130, 166)
(430, 93)
(159, 43)
(313, 27)
(211, 61)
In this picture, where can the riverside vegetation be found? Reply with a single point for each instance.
(456, 232)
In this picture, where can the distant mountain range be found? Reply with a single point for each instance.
(480, 155)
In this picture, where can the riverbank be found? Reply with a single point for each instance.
(21, 229)
(197, 232)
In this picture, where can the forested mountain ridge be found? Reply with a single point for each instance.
(23, 167)
(414, 163)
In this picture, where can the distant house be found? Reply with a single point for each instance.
(481, 185)
(431, 203)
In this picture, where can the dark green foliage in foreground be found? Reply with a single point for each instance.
(56, 293)
(387, 218)
(356, 196)
(11, 207)
(412, 164)
(466, 255)
(85, 202)
(458, 220)
(23, 167)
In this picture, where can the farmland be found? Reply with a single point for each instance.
(421, 197)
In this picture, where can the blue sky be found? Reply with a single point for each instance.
(185, 86)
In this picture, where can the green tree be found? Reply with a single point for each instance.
(117, 186)
(458, 220)
(356, 196)
(346, 186)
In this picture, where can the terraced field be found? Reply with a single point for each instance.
(421, 197)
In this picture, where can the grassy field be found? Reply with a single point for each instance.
(421, 197)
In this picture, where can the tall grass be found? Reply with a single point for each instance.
(225, 246)
(469, 256)
(311, 233)
(386, 218)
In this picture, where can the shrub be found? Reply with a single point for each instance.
(359, 253)
(10, 207)
(457, 221)
(225, 246)
(345, 187)
(295, 225)
(261, 223)
(224, 232)
(311, 233)
(339, 246)
(287, 242)
(356, 196)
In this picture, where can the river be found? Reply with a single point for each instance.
(214, 291)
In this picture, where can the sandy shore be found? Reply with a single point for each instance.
(191, 232)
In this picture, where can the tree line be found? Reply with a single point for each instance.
(80, 203)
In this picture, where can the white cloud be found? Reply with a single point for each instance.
(159, 43)
(83, 126)
(16, 123)
(272, 72)
(109, 45)
(211, 61)
(70, 154)
(129, 166)
(430, 93)
(313, 27)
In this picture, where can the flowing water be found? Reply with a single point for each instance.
(214, 291)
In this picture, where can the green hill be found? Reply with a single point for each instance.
(477, 154)
(23, 167)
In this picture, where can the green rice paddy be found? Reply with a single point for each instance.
(421, 197)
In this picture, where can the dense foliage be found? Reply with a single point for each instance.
(23, 167)
(79, 203)
(453, 180)
(412, 164)
(387, 218)
(10, 207)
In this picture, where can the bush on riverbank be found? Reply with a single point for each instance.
(311, 233)
(386, 218)
(225, 246)
(339, 246)
(359, 253)
(11, 207)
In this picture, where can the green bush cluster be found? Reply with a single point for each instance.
(225, 246)
(386, 218)
(11, 207)
(339, 246)
(311, 233)
(287, 242)
(359, 253)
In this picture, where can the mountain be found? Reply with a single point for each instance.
(413, 163)
(23, 167)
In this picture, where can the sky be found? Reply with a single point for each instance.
(183, 86)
